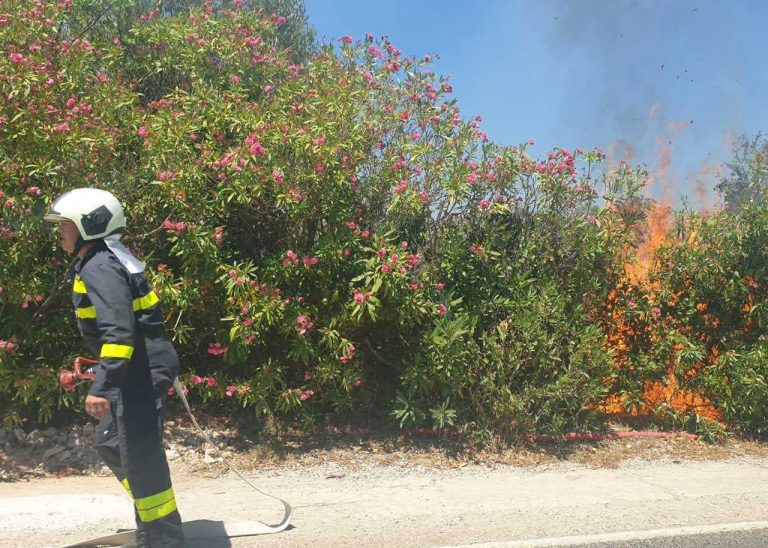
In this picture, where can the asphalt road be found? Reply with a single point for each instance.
(731, 539)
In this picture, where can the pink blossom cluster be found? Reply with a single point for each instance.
(253, 145)
(348, 355)
(278, 20)
(211, 382)
(291, 258)
(28, 299)
(151, 14)
(303, 324)
(253, 41)
(179, 226)
(364, 234)
(9, 346)
(239, 280)
(172, 391)
(361, 298)
(165, 175)
(216, 349)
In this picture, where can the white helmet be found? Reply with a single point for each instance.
(97, 213)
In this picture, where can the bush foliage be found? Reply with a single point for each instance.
(331, 238)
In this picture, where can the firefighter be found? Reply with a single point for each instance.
(120, 319)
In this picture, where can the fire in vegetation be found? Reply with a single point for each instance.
(634, 322)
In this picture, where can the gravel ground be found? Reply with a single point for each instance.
(366, 489)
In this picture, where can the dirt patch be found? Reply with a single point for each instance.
(70, 452)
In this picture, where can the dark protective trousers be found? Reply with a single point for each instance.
(129, 440)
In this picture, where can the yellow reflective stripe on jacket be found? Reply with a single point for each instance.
(78, 286)
(147, 301)
(156, 506)
(86, 313)
(116, 351)
(127, 486)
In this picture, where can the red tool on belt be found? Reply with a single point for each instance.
(83, 371)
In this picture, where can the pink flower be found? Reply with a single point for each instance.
(33, 191)
(63, 128)
(248, 322)
(309, 261)
(656, 311)
(357, 383)
(277, 176)
(319, 167)
(196, 380)
(346, 39)
(235, 79)
(319, 141)
(165, 175)
(441, 309)
(211, 382)
(291, 257)
(143, 132)
(16, 58)
(474, 248)
(304, 324)
(216, 349)
(631, 303)
(257, 148)
(385, 268)
(440, 286)
(424, 197)
(231, 390)
(361, 298)
(306, 395)
(401, 187)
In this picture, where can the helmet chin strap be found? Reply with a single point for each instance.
(78, 245)
(82, 243)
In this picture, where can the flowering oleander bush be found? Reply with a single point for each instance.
(328, 238)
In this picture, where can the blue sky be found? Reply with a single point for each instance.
(647, 80)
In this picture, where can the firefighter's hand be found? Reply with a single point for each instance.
(97, 407)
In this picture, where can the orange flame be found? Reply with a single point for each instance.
(654, 235)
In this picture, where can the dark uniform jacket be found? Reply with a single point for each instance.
(119, 316)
